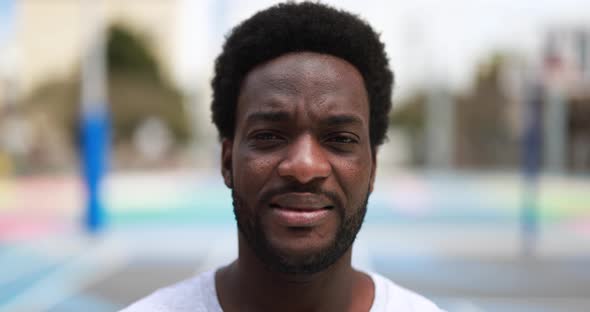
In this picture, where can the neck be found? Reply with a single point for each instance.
(248, 285)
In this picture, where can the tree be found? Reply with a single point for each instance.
(136, 92)
(483, 135)
(410, 118)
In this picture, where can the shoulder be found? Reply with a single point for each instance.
(392, 297)
(195, 294)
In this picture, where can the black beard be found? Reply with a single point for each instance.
(249, 225)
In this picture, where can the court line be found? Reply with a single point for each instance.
(96, 262)
(24, 263)
(86, 303)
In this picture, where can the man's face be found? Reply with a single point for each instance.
(300, 165)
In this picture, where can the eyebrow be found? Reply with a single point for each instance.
(336, 120)
(340, 120)
(267, 116)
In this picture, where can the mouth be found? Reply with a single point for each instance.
(297, 218)
(301, 208)
(301, 201)
(297, 210)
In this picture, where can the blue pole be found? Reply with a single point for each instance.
(95, 141)
(531, 163)
(94, 119)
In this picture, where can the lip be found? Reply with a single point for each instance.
(299, 217)
(301, 201)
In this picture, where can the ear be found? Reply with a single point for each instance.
(226, 162)
(373, 169)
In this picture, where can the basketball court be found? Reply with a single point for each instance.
(454, 238)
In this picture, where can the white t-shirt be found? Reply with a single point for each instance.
(198, 294)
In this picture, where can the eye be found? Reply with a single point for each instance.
(265, 140)
(266, 136)
(343, 139)
(342, 142)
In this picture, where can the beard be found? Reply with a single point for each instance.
(250, 226)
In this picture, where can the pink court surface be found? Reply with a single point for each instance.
(45, 205)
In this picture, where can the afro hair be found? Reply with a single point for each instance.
(302, 27)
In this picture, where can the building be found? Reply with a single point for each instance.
(50, 34)
(566, 78)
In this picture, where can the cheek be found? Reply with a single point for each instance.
(251, 172)
(354, 176)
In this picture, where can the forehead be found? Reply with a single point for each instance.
(304, 81)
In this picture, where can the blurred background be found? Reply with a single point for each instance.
(482, 201)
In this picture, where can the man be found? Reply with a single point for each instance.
(301, 95)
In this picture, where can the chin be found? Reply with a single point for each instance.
(301, 257)
(298, 253)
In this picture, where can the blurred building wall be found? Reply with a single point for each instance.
(566, 77)
(49, 34)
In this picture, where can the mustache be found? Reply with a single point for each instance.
(266, 196)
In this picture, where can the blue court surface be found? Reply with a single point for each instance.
(454, 238)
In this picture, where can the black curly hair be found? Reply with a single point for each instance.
(297, 27)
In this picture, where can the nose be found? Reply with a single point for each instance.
(305, 161)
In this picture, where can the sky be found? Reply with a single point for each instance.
(6, 19)
(427, 40)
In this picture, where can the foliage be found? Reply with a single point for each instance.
(136, 91)
(481, 132)
(482, 129)
(126, 53)
(410, 114)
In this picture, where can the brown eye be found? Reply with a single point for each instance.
(342, 143)
(266, 136)
(265, 140)
(343, 139)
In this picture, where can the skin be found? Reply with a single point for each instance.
(301, 119)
